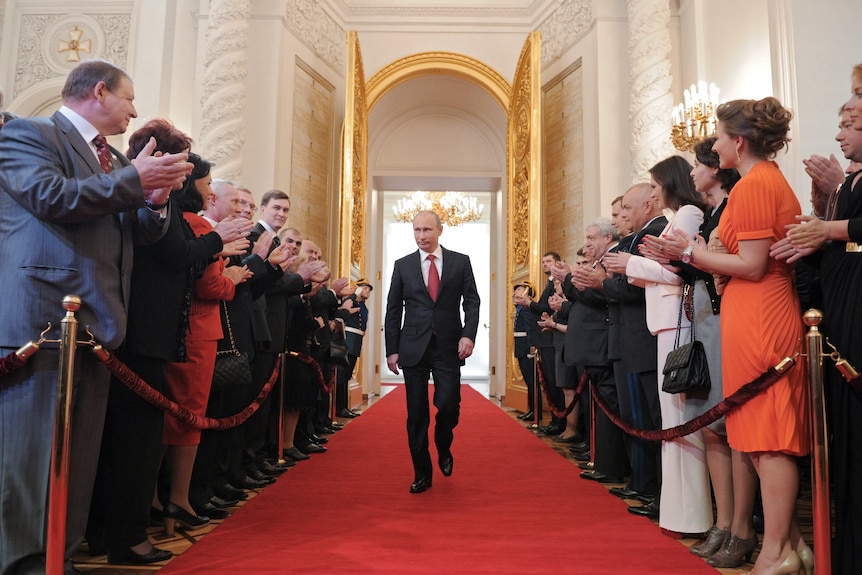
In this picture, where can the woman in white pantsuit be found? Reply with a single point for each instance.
(684, 504)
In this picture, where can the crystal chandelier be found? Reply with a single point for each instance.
(695, 119)
(454, 208)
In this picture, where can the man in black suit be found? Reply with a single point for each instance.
(427, 289)
(71, 208)
(274, 212)
(587, 346)
(639, 394)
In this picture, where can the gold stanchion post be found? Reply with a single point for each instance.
(537, 384)
(59, 480)
(819, 449)
(279, 406)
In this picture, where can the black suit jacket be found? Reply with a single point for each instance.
(273, 305)
(543, 338)
(639, 348)
(587, 333)
(409, 301)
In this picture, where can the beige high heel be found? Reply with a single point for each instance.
(806, 555)
(791, 565)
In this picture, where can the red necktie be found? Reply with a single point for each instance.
(433, 278)
(104, 154)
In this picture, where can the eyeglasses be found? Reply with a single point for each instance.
(245, 204)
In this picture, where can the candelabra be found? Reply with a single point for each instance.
(695, 119)
(453, 208)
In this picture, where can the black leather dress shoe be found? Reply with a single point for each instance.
(585, 465)
(650, 510)
(623, 492)
(526, 416)
(573, 440)
(275, 468)
(600, 477)
(420, 485)
(229, 492)
(223, 503)
(644, 498)
(344, 412)
(311, 448)
(582, 457)
(129, 557)
(258, 475)
(295, 454)
(249, 483)
(581, 447)
(211, 511)
(446, 465)
(317, 439)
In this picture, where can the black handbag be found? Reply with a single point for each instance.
(338, 345)
(232, 368)
(685, 369)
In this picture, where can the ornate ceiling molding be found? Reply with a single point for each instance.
(44, 44)
(318, 30)
(564, 27)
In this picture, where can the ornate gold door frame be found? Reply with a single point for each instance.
(522, 103)
(525, 199)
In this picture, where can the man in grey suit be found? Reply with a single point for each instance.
(71, 209)
(428, 287)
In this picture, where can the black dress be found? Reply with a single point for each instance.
(841, 277)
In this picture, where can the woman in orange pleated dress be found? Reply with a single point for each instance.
(760, 325)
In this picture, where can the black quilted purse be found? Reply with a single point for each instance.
(232, 368)
(685, 369)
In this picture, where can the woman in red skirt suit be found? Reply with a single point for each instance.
(189, 382)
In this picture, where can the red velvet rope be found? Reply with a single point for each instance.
(11, 363)
(315, 368)
(582, 383)
(128, 378)
(730, 403)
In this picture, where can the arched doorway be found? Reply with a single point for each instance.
(388, 96)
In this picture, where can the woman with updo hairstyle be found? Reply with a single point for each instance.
(760, 326)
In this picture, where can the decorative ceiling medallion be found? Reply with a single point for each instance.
(70, 40)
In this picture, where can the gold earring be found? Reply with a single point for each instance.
(738, 157)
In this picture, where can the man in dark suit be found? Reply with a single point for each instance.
(428, 287)
(639, 395)
(71, 209)
(587, 346)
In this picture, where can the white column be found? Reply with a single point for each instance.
(223, 88)
(651, 99)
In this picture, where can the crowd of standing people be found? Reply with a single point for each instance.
(173, 272)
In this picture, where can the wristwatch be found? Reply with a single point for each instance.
(685, 256)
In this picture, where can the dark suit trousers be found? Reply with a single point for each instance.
(527, 365)
(549, 370)
(27, 402)
(255, 429)
(342, 382)
(609, 451)
(639, 406)
(130, 459)
(447, 400)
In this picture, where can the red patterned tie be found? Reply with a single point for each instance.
(104, 154)
(433, 278)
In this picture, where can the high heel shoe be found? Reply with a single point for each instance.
(806, 555)
(791, 565)
(715, 539)
(733, 551)
(174, 513)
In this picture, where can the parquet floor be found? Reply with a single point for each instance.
(181, 540)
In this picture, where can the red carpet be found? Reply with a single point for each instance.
(349, 510)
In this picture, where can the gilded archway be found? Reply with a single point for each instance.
(521, 232)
